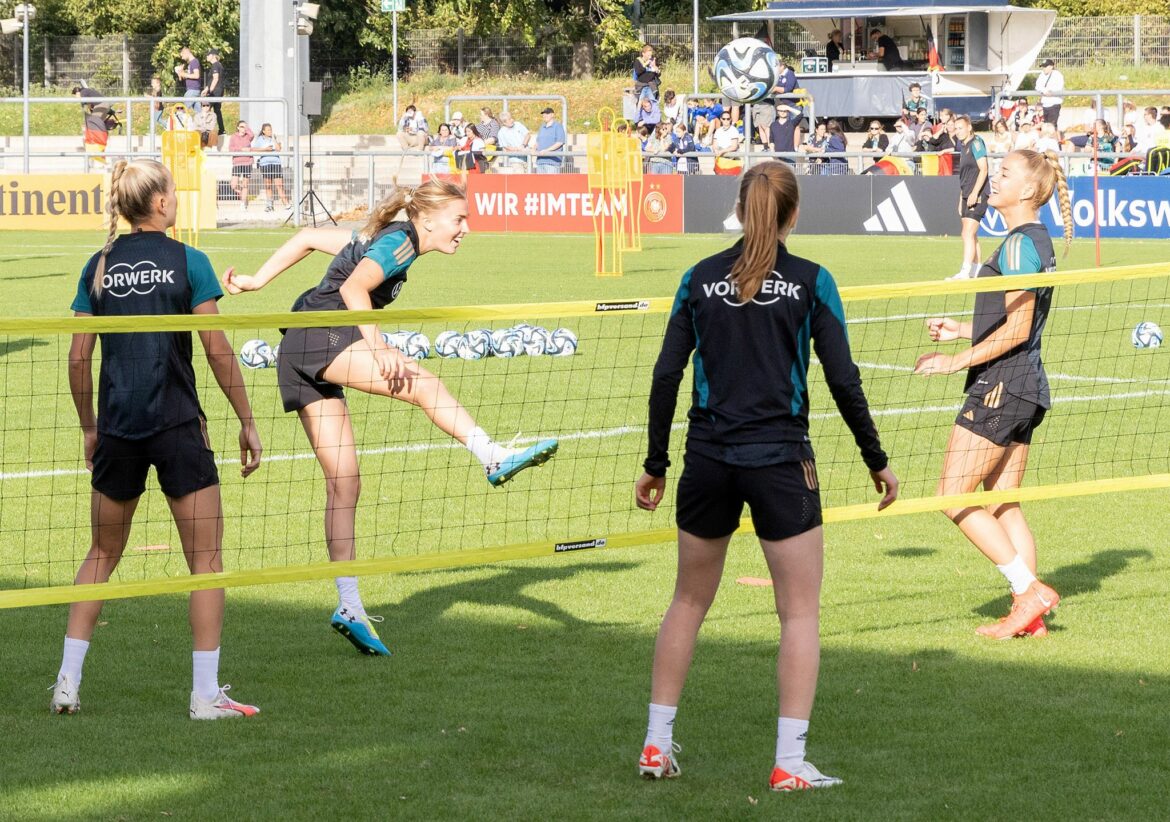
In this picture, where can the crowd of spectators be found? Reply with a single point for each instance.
(500, 144)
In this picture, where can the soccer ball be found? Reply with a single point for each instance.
(447, 342)
(256, 354)
(507, 343)
(537, 341)
(746, 70)
(474, 345)
(1147, 335)
(416, 345)
(397, 339)
(562, 343)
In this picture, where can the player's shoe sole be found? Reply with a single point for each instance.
(359, 632)
(537, 454)
(654, 764)
(803, 777)
(65, 699)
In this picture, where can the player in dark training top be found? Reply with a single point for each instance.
(367, 272)
(149, 414)
(974, 189)
(1007, 389)
(746, 317)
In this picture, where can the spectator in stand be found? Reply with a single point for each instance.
(816, 145)
(1026, 137)
(489, 126)
(512, 141)
(1049, 139)
(190, 73)
(764, 112)
(443, 149)
(710, 110)
(784, 133)
(1148, 131)
(656, 148)
(1127, 140)
(836, 145)
(412, 129)
(725, 143)
(1105, 142)
(942, 140)
(458, 127)
(920, 126)
(1000, 141)
(902, 141)
(1049, 84)
(673, 108)
(157, 109)
(204, 122)
(97, 116)
(242, 162)
(833, 48)
(215, 86)
(684, 143)
(469, 155)
(647, 77)
(914, 103)
(1164, 117)
(885, 50)
(703, 130)
(550, 144)
(877, 142)
(271, 169)
(648, 113)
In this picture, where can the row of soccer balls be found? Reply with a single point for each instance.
(532, 340)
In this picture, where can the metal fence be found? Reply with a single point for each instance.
(1082, 41)
(456, 52)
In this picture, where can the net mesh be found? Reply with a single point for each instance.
(425, 496)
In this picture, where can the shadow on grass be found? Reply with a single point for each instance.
(20, 344)
(1075, 580)
(911, 553)
(500, 702)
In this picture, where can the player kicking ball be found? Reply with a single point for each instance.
(315, 365)
(1007, 388)
(149, 414)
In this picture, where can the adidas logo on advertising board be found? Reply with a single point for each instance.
(896, 214)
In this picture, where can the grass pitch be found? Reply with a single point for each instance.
(520, 689)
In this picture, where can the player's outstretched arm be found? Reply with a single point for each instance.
(227, 373)
(295, 249)
(945, 329)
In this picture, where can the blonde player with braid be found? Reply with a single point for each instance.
(148, 413)
(367, 272)
(1007, 389)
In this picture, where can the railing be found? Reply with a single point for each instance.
(1098, 96)
(506, 98)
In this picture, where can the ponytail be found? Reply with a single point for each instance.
(113, 206)
(1065, 201)
(431, 196)
(768, 199)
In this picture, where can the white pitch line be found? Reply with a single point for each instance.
(603, 433)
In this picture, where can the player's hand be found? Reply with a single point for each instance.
(973, 200)
(234, 283)
(648, 491)
(394, 366)
(249, 448)
(942, 329)
(886, 484)
(89, 445)
(935, 363)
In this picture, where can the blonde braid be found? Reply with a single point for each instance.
(1064, 199)
(113, 210)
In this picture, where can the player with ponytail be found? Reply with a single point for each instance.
(747, 316)
(315, 364)
(1007, 388)
(148, 413)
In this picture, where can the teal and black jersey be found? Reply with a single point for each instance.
(393, 248)
(970, 153)
(147, 383)
(751, 360)
(1027, 249)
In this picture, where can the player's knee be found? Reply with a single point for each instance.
(343, 489)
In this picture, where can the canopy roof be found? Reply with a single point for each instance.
(820, 9)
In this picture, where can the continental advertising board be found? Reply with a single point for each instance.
(52, 202)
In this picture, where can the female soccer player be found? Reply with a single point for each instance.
(1007, 389)
(315, 364)
(747, 314)
(149, 414)
(974, 188)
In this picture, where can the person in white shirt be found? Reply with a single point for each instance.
(1049, 139)
(1147, 131)
(412, 129)
(1026, 137)
(512, 142)
(458, 127)
(725, 144)
(1049, 82)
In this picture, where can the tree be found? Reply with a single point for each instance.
(1101, 8)
(201, 25)
(116, 16)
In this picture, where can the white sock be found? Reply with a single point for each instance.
(790, 738)
(660, 730)
(72, 659)
(205, 674)
(484, 449)
(348, 596)
(1018, 575)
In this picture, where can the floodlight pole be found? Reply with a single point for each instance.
(695, 47)
(298, 99)
(27, 10)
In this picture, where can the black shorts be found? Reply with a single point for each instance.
(181, 456)
(304, 354)
(784, 498)
(977, 212)
(272, 172)
(242, 171)
(1001, 417)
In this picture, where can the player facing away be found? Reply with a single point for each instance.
(1007, 389)
(315, 364)
(747, 441)
(148, 413)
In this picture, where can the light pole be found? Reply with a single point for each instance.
(695, 46)
(25, 12)
(304, 16)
